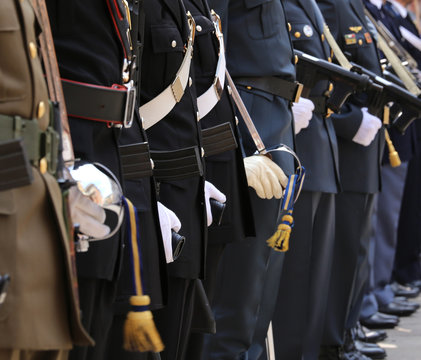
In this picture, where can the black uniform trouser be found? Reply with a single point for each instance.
(243, 304)
(97, 298)
(407, 266)
(213, 256)
(362, 276)
(173, 322)
(302, 298)
(350, 261)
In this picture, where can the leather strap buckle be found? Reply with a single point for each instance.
(217, 87)
(177, 89)
(130, 105)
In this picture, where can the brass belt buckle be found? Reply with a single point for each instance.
(298, 90)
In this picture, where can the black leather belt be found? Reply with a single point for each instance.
(320, 104)
(177, 164)
(290, 90)
(135, 161)
(112, 105)
(218, 139)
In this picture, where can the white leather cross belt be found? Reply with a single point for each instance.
(207, 101)
(157, 108)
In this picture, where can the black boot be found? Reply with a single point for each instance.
(369, 336)
(360, 350)
(330, 353)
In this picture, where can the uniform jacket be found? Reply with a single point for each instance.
(404, 144)
(166, 32)
(95, 59)
(359, 165)
(316, 145)
(142, 193)
(258, 44)
(224, 170)
(41, 309)
(98, 59)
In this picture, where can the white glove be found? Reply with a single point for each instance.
(87, 214)
(168, 221)
(265, 176)
(368, 128)
(303, 112)
(212, 192)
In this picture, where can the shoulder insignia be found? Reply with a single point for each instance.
(350, 39)
(355, 29)
(368, 38)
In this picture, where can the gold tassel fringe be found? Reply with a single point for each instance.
(394, 159)
(279, 241)
(140, 332)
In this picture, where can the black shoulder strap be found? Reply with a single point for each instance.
(137, 13)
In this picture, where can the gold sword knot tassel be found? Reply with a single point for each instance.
(279, 241)
(394, 158)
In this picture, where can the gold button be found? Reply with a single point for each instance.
(43, 166)
(329, 59)
(41, 109)
(329, 112)
(330, 86)
(360, 42)
(296, 59)
(199, 28)
(297, 34)
(322, 37)
(173, 43)
(289, 27)
(248, 87)
(33, 52)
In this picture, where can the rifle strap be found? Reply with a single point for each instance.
(137, 31)
(343, 61)
(400, 70)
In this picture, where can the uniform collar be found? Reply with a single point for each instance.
(377, 3)
(400, 8)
